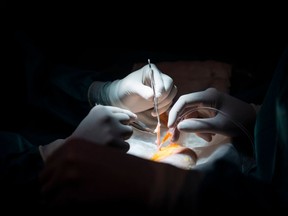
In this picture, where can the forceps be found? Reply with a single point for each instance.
(154, 92)
(141, 126)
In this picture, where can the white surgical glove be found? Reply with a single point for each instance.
(101, 126)
(233, 118)
(134, 92)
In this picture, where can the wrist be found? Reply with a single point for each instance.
(98, 93)
(114, 94)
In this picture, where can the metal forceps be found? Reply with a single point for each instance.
(141, 126)
(154, 92)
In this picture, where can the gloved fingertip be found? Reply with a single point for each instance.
(175, 136)
(153, 113)
(133, 116)
(125, 147)
(182, 125)
(158, 94)
(169, 124)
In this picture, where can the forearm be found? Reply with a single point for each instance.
(98, 89)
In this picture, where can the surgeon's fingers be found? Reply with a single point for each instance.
(176, 135)
(206, 125)
(185, 126)
(123, 118)
(164, 85)
(178, 109)
(123, 111)
(166, 103)
(121, 129)
(162, 109)
(120, 144)
(169, 90)
(126, 131)
(166, 99)
(158, 80)
(191, 101)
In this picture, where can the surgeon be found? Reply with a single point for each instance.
(137, 186)
(45, 102)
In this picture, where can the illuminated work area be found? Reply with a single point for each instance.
(190, 151)
(94, 122)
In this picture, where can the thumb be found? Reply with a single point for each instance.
(144, 91)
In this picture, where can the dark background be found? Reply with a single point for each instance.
(93, 35)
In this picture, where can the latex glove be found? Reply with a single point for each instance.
(134, 92)
(234, 118)
(102, 125)
(105, 123)
(87, 177)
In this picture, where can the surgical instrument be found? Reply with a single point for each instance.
(154, 92)
(141, 126)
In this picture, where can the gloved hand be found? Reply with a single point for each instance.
(102, 125)
(233, 118)
(134, 92)
(105, 123)
(88, 177)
